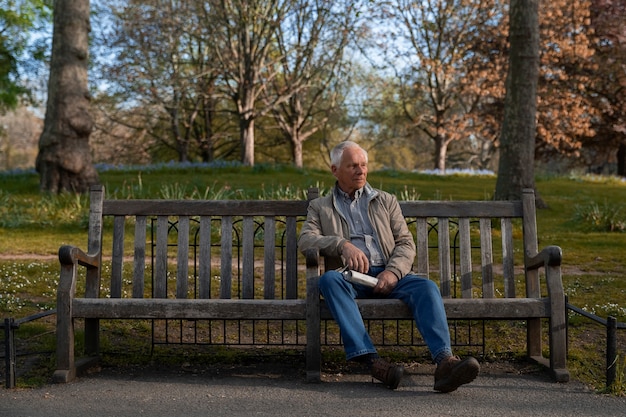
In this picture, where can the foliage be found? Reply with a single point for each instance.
(609, 91)
(17, 19)
(159, 92)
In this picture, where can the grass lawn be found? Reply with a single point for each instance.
(580, 216)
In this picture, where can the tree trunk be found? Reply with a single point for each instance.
(517, 139)
(247, 141)
(64, 161)
(441, 151)
(621, 160)
(296, 151)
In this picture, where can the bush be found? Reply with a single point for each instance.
(605, 218)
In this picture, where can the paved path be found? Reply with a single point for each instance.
(245, 391)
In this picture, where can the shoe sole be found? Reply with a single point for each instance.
(463, 373)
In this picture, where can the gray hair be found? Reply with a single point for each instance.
(337, 152)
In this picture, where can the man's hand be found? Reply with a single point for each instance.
(387, 281)
(354, 258)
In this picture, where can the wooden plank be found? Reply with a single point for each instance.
(204, 279)
(182, 258)
(486, 258)
(205, 207)
(465, 257)
(533, 289)
(117, 256)
(444, 256)
(160, 262)
(139, 263)
(530, 242)
(291, 270)
(456, 309)
(226, 257)
(96, 204)
(269, 258)
(508, 263)
(172, 308)
(461, 208)
(247, 290)
(422, 246)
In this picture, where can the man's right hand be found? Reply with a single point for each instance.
(354, 258)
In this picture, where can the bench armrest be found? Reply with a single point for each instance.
(549, 256)
(70, 258)
(71, 255)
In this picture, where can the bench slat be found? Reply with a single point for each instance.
(422, 227)
(444, 256)
(456, 309)
(139, 266)
(205, 208)
(508, 266)
(248, 258)
(466, 257)
(226, 258)
(291, 269)
(486, 258)
(144, 308)
(269, 258)
(118, 256)
(160, 262)
(204, 279)
(462, 208)
(182, 258)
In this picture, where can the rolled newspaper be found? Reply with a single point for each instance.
(359, 278)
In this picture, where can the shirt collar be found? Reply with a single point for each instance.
(357, 194)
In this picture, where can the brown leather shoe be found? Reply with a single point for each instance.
(388, 373)
(453, 372)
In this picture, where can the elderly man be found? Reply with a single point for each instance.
(363, 229)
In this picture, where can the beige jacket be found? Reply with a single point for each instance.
(326, 230)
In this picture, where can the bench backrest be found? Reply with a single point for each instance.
(182, 247)
(248, 249)
(476, 248)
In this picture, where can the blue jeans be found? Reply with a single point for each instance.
(420, 294)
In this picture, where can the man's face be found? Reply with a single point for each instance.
(351, 173)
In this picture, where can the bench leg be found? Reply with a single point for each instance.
(313, 342)
(66, 368)
(558, 339)
(558, 325)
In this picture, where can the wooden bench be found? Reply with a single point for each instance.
(154, 243)
(487, 277)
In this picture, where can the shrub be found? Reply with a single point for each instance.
(604, 218)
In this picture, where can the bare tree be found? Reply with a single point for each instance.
(64, 161)
(438, 88)
(517, 141)
(164, 70)
(312, 40)
(244, 41)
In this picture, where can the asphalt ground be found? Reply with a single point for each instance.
(279, 389)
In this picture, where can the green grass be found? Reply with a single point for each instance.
(33, 226)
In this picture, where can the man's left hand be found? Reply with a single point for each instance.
(387, 281)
